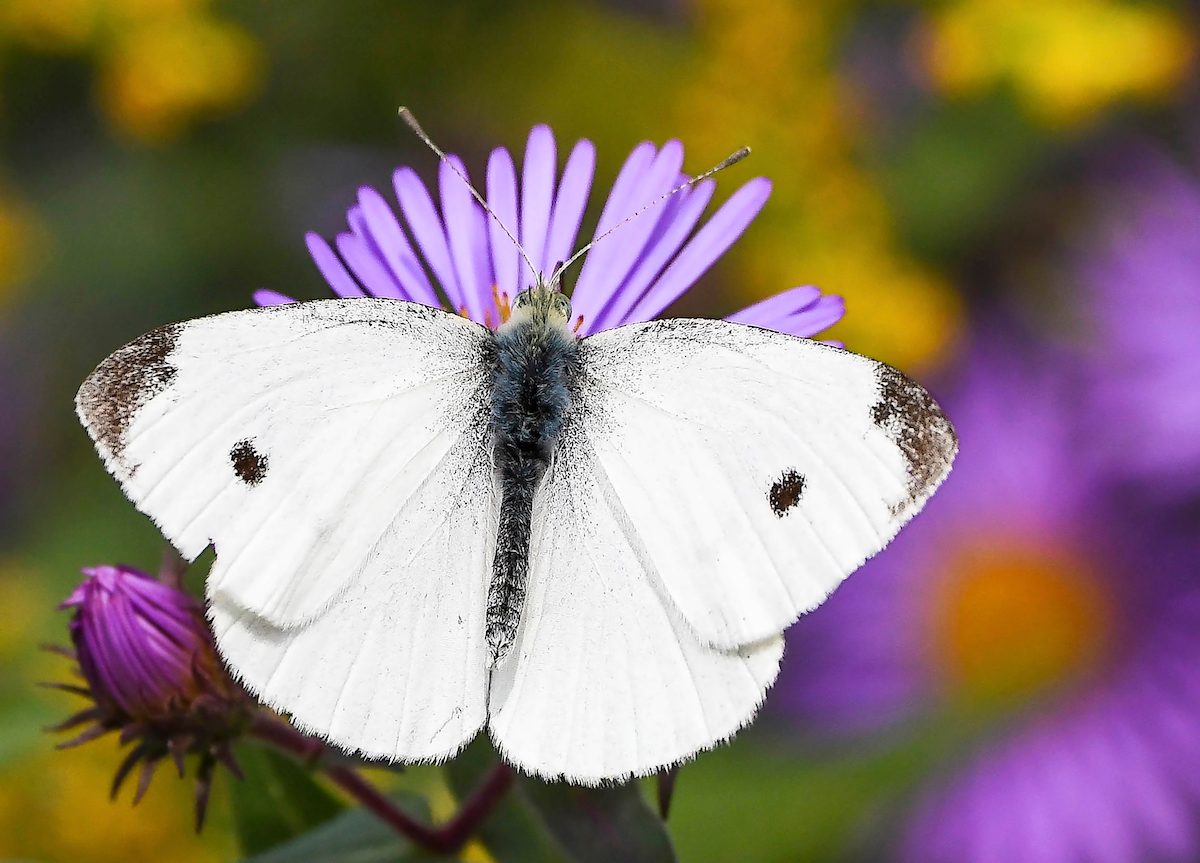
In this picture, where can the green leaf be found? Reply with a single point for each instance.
(514, 833)
(355, 836)
(277, 801)
(968, 162)
(766, 799)
(554, 822)
(597, 825)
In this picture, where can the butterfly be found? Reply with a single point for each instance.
(591, 546)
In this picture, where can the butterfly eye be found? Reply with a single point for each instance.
(521, 300)
(562, 305)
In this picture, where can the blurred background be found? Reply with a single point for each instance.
(1006, 195)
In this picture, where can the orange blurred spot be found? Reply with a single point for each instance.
(1014, 618)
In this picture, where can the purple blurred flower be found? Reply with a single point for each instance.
(476, 270)
(1139, 271)
(152, 672)
(1025, 595)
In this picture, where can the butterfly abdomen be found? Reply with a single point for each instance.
(535, 363)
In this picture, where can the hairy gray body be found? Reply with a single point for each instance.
(536, 362)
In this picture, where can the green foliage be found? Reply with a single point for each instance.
(514, 833)
(600, 824)
(278, 801)
(952, 178)
(355, 836)
(542, 822)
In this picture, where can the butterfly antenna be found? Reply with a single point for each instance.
(411, 121)
(730, 160)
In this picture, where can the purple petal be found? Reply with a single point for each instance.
(1104, 828)
(467, 232)
(363, 258)
(618, 256)
(570, 202)
(677, 222)
(800, 311)
(710, 242)
(331, 267)
(537, 194)
(1153, 801)
(502, 198)
(808, 322)
(777, 307)
(428, 230)
(393, 247)
(590, 295)
(267, 297)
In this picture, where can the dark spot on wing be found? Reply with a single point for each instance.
(129, 378)
(786, 492)
(248, 463)
(913, 420)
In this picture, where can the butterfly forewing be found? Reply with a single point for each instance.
(336, 454)
(759, 469)
(288, 437)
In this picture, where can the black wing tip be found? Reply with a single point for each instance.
(110, 397)
(916, 423)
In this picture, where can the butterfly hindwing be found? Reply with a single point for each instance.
(396, 666)
(605, 679)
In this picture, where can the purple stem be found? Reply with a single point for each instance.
(172, 568)
(445, 839)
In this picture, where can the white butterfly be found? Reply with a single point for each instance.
(591, 546)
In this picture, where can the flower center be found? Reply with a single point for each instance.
(503, 308)
(1012, 618)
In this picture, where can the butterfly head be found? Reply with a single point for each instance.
(543, 303)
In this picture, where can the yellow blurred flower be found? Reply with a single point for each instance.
(161, 75)
(55, 806)
(163, 64)
(50, 25)
(1066, 59)
(22, 241)
(767, 72)
(140, 10)
(25, 603)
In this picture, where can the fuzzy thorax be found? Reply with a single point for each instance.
(536, 360)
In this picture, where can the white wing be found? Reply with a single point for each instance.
(396, 667)
(760, 469)
(605, 680)
(713, 481)
(336, 454)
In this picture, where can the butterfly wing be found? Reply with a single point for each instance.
(712, 482)
(396, 667)
(605, 679)
(761, 469)
(336, 454)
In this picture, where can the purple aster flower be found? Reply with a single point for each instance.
(151, 672)
(1025, 595)
(451, 254)
(1139, 276)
